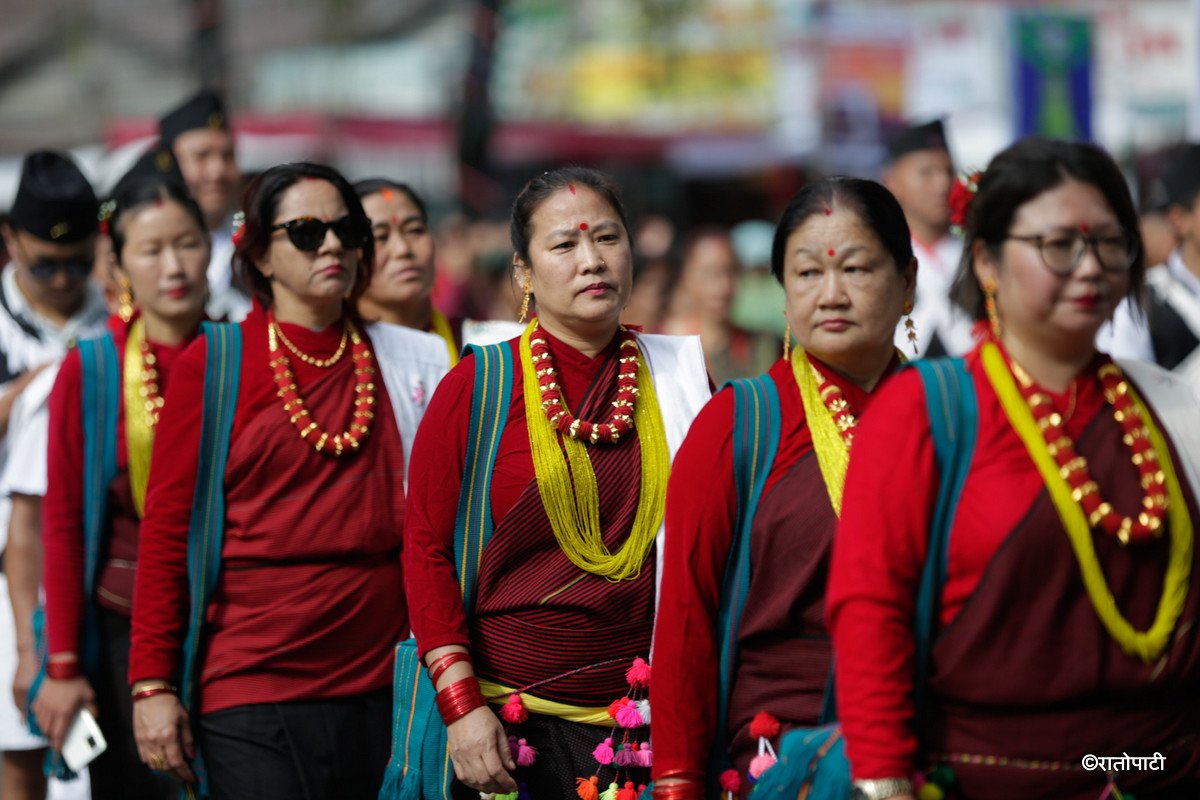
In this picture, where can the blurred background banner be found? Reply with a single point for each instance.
(717, 109)
(1053, 74)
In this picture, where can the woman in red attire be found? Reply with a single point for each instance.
(843, 254)
(562, 603)
(402, 281)
(1071, 577)
(160, 253)
(293, 670)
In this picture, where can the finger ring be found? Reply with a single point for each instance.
(157, 761)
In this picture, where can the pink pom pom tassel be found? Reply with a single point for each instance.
(638, 674)
(625, 756)
(760, 764)
(645, 755)
(628, 716)
(604, 752)
(514, 710)
(526, 755)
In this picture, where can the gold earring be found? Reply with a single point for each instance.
(787, 338)
(125, 301)
(525, 302)
(910, 327)
(989, 306)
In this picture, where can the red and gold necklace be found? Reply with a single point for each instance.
(621, 420)
(839, 408)
(1073, 467)
(293, 403)
(149, 390)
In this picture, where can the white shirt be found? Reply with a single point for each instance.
(1128, 335)
(225, 301)
(934, 311)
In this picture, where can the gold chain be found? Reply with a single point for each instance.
(323, 363)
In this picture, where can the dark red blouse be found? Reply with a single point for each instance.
(62, 511)
(309, 603)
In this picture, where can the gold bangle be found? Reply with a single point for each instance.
(152, 685)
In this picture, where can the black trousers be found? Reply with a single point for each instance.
(332, 749)
(118, 773)
(564, 754)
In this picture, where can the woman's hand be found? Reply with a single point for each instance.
(164, 735)
(57, 703)
(479, 750)
(27, 669)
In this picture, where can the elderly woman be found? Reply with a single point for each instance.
(266, 604)
(561, 596)
(1062, 631)
(842, 252)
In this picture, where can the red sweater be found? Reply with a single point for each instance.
(62, 511)
(881, 542)
(701, 514)
(309, 602)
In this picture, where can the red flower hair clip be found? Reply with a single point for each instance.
(239, 228)
(965, 187)
(106, 211)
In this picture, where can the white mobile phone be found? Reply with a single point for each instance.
(84, 741)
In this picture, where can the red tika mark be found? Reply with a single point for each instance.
(583, 226)
(1085, 227)
(828, 212)
(571, 186)
(832, 252)
(387, 194)
(395, 220)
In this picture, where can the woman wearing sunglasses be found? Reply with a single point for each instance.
(160, 254)
(266, 601)
(1065, 487)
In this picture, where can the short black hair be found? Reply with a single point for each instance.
(871, 201)
(259, 204)
(541, 187)
(138, 193)
(1020, 173)
(370, 186)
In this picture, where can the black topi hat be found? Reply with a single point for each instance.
(156, 164)
(54, 200)
(1181, 176)
(926, 136)
(205, 110)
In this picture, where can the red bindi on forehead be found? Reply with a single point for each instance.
(387, 194)
(828, 212)
(571, 186)
(1085, 227)
(832, 252)
(583, 226)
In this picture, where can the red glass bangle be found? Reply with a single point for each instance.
(459, 699)
(680, 790)
(63, 670)
(153, 690)
(444, 663)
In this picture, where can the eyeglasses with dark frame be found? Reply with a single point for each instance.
(1061, 251)
(307, 233)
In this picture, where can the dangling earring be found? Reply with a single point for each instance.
(787, 337)
(989, 306)
(125, 302)
(525, 302)
(910, 327)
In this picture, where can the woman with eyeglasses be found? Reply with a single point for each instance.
(107, 399)
(1054, 492)
(266, 601)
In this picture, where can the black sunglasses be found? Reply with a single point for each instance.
(46, 269)
(307, 233)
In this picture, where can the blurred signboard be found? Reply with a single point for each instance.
(1053, 74)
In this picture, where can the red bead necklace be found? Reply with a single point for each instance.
(621, 421)
(1074, 468)
(293, 403)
